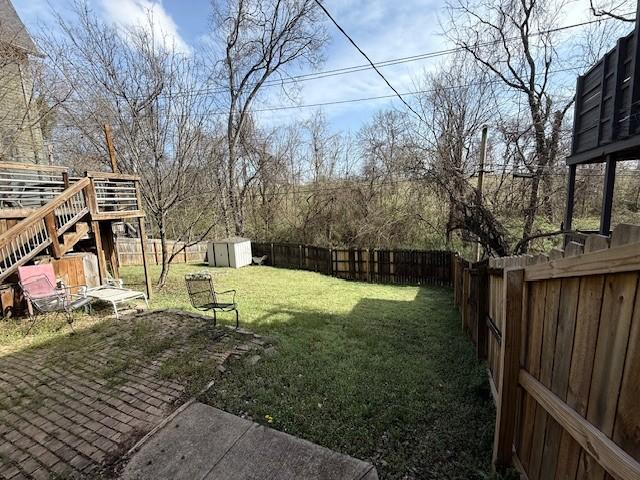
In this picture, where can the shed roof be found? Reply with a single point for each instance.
(12, 30)
(232, 240)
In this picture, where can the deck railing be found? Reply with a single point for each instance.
(115, 192)
(27, 186)
(24, 187)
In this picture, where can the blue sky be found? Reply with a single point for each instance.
(384, 29)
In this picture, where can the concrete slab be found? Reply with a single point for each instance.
(188, 446)
(203, 442)
(264, 453)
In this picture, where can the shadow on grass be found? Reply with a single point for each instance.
(393, 382)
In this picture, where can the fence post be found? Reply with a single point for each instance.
(299, 257)
(465, 296)
(509, 368)
(273, 259)
(330, 272)
(482, 312)
(368, 255)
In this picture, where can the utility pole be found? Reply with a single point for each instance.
(108, 135)
(50, 153)
(483, 154)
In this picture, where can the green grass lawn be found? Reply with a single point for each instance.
(379, 372)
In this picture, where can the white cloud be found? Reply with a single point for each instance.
(138, 12)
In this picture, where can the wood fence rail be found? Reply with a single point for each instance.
(561, 336)
(400, 267)
(130, 252)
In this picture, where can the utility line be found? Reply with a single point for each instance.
(386, 63)
(373, 65)
(308, 189)
(339, 102)
(370, 65)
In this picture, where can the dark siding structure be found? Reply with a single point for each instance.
(606, 125)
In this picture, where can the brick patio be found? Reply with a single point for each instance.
(75, 405)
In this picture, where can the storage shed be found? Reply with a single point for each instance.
(232, 252)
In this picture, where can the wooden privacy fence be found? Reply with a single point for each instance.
(561, 334)
(130, 252)
(405, 267)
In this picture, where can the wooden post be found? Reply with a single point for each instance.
(571, 188)
(368, 257)
(483, 154)
(273, 259)
(109, 247)
(513, 291)
(482, 312)
(102, 263)
(465, 296)
(143, 244)
(607, 196)
(300, 257)
(52, 231)
(330, 266)
(91, 200)
(108, 135)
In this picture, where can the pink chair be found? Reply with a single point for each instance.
(38, 283)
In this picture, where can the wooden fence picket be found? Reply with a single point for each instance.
(564, 368)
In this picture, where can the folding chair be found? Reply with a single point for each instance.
(38, 285)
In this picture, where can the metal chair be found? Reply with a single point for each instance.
(204, 297)
(48, 298)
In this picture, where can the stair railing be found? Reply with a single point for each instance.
(43, 227)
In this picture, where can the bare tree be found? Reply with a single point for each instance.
(617, 9)
(262, 40)
(458, 101)
(514, 40)
(147, 90)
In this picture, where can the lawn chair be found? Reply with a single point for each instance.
(38, 284)
(204, 297)
(114, 292)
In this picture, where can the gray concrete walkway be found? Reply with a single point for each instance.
(202, 442)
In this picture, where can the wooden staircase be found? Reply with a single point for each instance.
(45, 210)
(57, 225)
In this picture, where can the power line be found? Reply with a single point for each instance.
(307, 189)
(373, 65)
(387, 63)
(341, 102)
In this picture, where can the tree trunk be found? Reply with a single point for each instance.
(531, 210)
(165, 254)
(547, 187)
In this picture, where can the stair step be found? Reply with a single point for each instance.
(71, 238)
